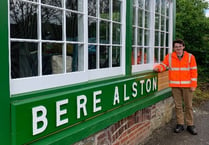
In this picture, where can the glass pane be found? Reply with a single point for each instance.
(157, 38)
(24, 59)
(27, 0)
(76, 5)
(157, 6)
(139, 55)
(156, 57)
(104, 57)
(74, 27)
(140, 18)
(116, 33)
(52, 61)
(141, 3)
(116, 56)
(163, 23)
(51, 23)
(147, 4)
(133, 56)
(163, 8)
(167, 25)
(117, 10)
(74, 63)
(146, 55)
(23, 20)
(105, 9)
(92, 30)
(104, 32)
(133, 36)
(167, 40)
(162, 39)
(92, 52)
(57, 3)
(92, 7)
(147, 20)
(140, 36)
(157, 21)
(161, 54)
(146, 38)
(167, 8)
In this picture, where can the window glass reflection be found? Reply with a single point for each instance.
(74, 52)
(51, 23)
(92, 8)
(104, 56)
(92, 54)
(104, 32)
(74, 5)
(116, 56)
(140, 18)
(105, 9)
(57, 3)
(23, 20)
(116, 33)
(157, 6)
(147, 20)
(92, 30)
(140, 36)
(52, 60)
(161, 54)
(24, 59)
(116, 10)
(141, 3)
(146, 37)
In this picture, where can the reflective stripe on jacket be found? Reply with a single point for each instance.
(182, 73)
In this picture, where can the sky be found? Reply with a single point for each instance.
(207, 10)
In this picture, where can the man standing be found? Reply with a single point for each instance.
(183, 80)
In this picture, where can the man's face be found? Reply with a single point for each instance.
(178, 48)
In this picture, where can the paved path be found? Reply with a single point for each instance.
(166, 136)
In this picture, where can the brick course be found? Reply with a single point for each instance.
(136, 128)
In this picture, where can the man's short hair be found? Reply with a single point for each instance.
(180, 41)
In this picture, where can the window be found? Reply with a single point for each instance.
(60, 42)
(152, 32)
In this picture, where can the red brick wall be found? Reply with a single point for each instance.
(134, 129)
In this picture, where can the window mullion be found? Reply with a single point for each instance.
(152, 31)
(39, 38)
(64, 53)
(111, 33)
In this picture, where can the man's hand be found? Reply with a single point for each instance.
(156, 69)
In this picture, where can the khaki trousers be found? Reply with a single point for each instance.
(183, 100)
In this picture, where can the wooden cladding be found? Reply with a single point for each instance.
(163, 80)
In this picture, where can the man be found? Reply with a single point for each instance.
(183, 81)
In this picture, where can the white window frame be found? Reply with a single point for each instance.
(29, 84)
(149, 66)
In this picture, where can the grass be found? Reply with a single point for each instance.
(201, 93)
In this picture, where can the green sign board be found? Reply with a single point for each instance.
(41, 116)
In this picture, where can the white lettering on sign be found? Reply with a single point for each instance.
(116, 96)
(39, 116)
(126, 98)
(134, 89)
(154, 84)
(96, 101)
(128, 92)
(142, 88)
(60, 112)
(148, 85)
(81, 105)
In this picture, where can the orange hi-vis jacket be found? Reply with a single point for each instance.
(182, 73)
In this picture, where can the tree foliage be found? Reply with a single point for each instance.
(193, 27)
